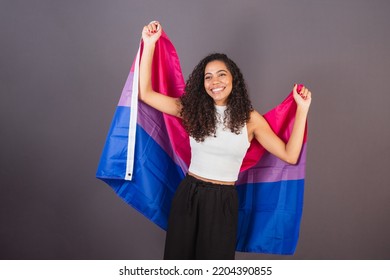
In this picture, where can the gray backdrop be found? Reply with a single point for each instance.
(62, 68)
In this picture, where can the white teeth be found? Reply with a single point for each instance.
(216, 89)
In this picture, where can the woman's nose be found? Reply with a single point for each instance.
(215, 80)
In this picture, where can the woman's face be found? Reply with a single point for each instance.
(218, 82)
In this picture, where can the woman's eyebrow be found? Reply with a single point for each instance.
(222, 70)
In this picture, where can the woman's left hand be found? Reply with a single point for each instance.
(303, 98)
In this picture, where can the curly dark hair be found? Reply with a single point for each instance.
(198, 110)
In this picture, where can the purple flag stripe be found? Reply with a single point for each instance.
(273, 169)
(125, 99)
(151, 121)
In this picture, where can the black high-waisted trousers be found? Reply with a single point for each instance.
(202, 222)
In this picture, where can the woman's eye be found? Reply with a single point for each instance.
(207, 78)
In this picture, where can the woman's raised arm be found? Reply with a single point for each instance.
(166, 104)
(291, 150)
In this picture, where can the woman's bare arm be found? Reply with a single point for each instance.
(166, 104)
(291, 150)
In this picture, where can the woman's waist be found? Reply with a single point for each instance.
(218, 182)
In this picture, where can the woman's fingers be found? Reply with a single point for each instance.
(303, 97)
(151, 32)
(305, 93)
(295, 88)
(153, 27)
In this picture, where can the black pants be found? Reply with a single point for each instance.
(202, 222)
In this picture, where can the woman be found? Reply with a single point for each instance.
(219, 118)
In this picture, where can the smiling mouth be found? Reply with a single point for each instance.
(217, 90)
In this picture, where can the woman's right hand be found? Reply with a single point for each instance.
(151, 32)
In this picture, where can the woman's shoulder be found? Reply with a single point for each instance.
(255, 116)
(255, 119)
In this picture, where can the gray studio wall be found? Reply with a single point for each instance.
(62, 68)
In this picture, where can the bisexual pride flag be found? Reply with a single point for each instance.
(147, 154)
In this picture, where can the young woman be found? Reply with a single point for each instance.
(219, 118)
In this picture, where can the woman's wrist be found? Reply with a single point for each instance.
(302, 109)
(149, 46)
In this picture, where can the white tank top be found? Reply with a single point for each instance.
(220, 157)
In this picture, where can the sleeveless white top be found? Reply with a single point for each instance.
(220, 157)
